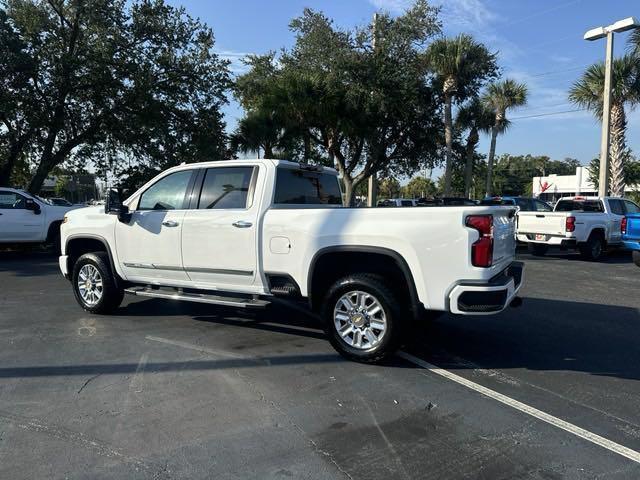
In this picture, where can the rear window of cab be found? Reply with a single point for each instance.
(579, 206)
(303, 187)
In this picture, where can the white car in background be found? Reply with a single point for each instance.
(25, 218)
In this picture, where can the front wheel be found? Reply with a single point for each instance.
(636, 257)
(93, 283)
(363, 318)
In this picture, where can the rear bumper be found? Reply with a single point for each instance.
(473, 298)
(631, 244)
(555, 240)
(62, 261)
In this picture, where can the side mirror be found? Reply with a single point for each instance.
(113, 205)
(32, 205)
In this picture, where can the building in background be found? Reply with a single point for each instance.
(77, 188)
(553, 187)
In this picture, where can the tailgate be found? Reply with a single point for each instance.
(549, 223)
(504, 239)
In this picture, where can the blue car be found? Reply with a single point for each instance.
(631, 235)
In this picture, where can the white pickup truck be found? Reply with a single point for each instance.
(590, 224)
(239, 232)
(28, 219)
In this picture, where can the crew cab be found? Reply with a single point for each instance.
(240, 232)
(590, 224)
(25, 218)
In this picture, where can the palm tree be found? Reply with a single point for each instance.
(475, 118)
(587, 92)
(500, 97)
(461, 65)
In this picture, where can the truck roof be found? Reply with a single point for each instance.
(256, 161)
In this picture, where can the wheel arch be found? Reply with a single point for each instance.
(364, 251)
(77, 245)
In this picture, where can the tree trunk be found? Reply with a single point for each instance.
(347, 201)
(307, 147)
(492, 153)
(268, 150)
(617, 150)
(472, 141)
(448, 138)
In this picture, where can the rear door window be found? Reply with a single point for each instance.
(225, 187)
(302, 187)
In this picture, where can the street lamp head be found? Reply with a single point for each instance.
(595, 34)
(620, 26)
(624, 25)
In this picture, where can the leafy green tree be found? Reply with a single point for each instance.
(587, 92)
(420, 186)
(389, 188)
(500, 97)
(367, 109)
(631, 170)
(474, 118)
(461, 65)
(109, 80)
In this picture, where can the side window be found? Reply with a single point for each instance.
(631, 207)
(406, 203)
(306, 188)
(225, 187)
(168, 193)
(541, 206)
(11, 201)
(523, 203)
(616, 206)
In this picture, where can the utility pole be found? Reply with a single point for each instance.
(373, 183)
(603, 182)
(597, 33)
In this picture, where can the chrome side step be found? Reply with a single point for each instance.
(178, 294)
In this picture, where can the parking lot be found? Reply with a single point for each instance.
(170, 390)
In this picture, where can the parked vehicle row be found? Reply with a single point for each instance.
(240, 232)
(25, 218)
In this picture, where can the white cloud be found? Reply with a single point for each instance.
(236, 66)
(560, 58)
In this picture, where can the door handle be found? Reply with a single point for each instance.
(170, 223)
(242, 224)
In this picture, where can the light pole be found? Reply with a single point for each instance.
(596, 34)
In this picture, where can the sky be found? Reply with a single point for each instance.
(538, 42)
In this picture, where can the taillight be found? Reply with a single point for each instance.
(482, 249)
(571, 224)
(623, 226)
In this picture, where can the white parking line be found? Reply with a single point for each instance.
(534, 412)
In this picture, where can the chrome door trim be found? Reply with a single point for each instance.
(223, 271)
(152, 266)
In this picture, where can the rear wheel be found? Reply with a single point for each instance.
(636, 257)
(538, 249)
(593, 248)
(94, 285)
(364, 318)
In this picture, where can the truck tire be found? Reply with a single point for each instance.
(636, 257)
(93, 284)
(593, 248)
(363, 318)
(537, 249)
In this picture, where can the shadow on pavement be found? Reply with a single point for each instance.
(542, 335)
(29, 262)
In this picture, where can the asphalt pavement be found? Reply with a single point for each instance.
(174, 390)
